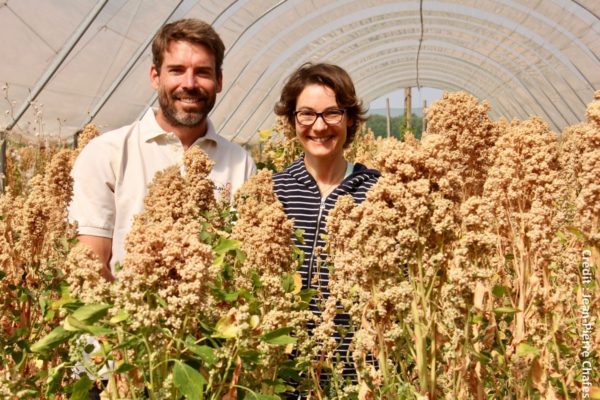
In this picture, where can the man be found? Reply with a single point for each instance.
(112, 173)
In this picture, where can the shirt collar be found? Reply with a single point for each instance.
(150, 129)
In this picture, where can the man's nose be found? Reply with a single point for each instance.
(189, 79)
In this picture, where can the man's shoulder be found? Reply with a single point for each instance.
(229, 146)
(117, 135)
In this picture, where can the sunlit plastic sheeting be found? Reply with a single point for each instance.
(503, 53)
(525, 57)
(99, 56)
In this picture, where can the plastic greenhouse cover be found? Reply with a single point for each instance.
(525, 57)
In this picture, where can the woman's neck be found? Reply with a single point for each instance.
(328, 173)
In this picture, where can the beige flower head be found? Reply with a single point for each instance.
(89, 132)
(593, 110)
(265, 231)
(173, 196)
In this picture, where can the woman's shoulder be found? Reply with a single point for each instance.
(365, 174)
(292, 170)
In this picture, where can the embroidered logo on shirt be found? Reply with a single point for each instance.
(223, 191)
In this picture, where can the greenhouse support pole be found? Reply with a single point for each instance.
(407, 107)
(58, 60)
(2, 162)
(388, 119)
(424, 112)
(125, 71)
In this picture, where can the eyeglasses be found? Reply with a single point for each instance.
(330, 117)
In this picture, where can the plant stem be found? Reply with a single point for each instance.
(420, 349)
(150, 365)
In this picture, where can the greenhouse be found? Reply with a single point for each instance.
(82, 61)
(171, 228)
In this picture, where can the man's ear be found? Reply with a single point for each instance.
(219, 81)
(154, 76)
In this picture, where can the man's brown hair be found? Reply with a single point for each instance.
(189, 30)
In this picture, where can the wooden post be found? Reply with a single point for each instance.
(407, 107)
(424, 110)
(2, 162)
(389, 118)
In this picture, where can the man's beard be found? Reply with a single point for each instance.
(185, 118)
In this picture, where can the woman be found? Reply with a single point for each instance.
(321, 102)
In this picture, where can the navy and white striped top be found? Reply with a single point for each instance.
(297, 190)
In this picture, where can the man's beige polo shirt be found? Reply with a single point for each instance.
(112, 173)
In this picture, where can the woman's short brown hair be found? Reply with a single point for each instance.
(331, 76)
(189, 30)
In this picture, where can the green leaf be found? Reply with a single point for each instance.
(51, 340)
(499, 291)
(258, 396)
(2, 275)
(483, 357)
(205, 353)
(288, 283)
(65, 298)
(189, 381)
(91, 313)
(255, 277)
(98, 330)
(299, 234)
(225, 245)
(282, 340)
(120, 317)
(525, 349)
(240, 256)
(117, 267)
(506, 310)
(298, 255)
(27, 393)
(205, 237)
(230, 297)
(43, 302)
(561, 236)
(279, 385)
(279, 336)
(161, 302)
(219, 260)
(307, 294)
(250, 358)
(509, 257)
(18, 357)
(476, 318)
(72, 324)
(55, 376)
(124, 367)
(82, 388)
(575, 231)
(226, 328)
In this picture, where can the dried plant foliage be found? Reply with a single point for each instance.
(364, 147)
(468, 272)
(35, 240)
(281, 147)
(462, 269)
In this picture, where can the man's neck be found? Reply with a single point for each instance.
(187, 135)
